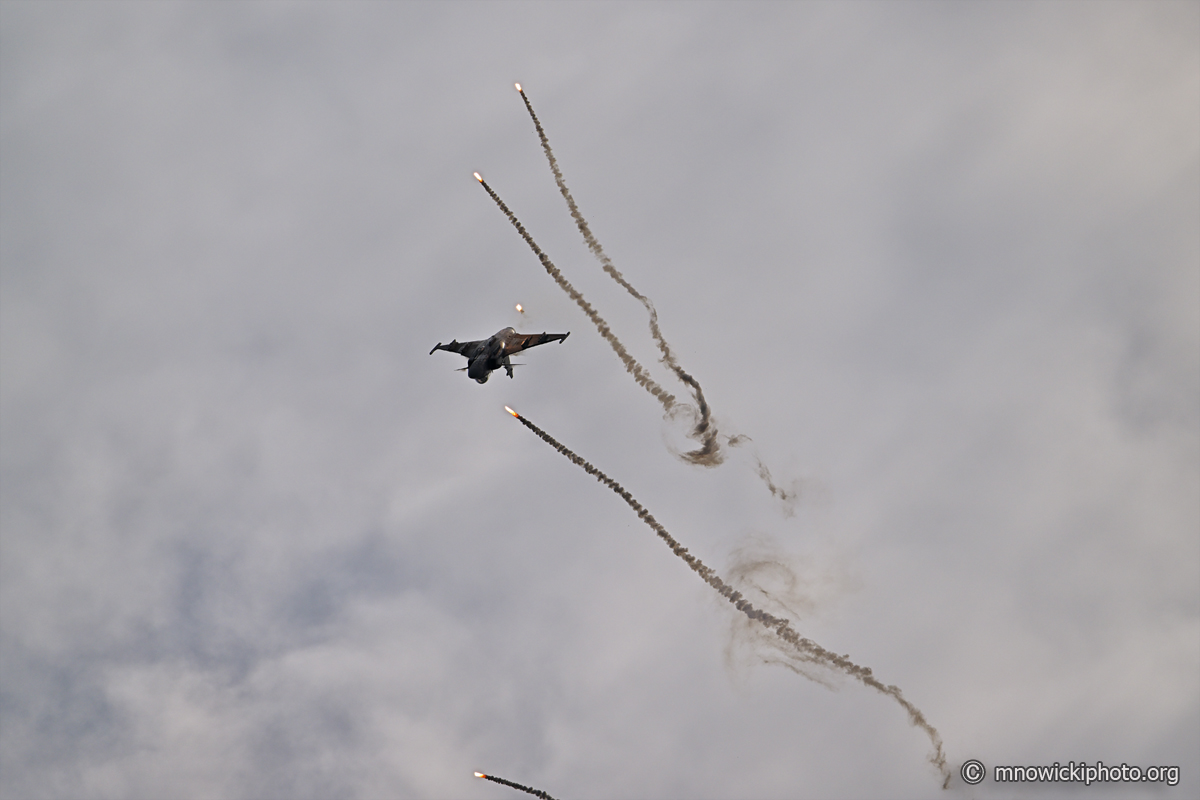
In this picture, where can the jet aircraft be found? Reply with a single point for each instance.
(486, 355)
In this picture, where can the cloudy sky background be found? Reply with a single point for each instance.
(941, 262)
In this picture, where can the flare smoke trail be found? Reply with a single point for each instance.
(788, 496)
(633, 367)
(526, 789)
(709, 453)
(804, 649)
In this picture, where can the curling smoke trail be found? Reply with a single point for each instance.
(526, 789)
(633, 367)
(788, 496)
(805, 650)
(709, 453)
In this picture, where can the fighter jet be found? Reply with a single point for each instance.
(487, 355)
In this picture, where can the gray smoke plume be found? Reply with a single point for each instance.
(526, 789)
(709, 453)
(633, 367)
(804, 651)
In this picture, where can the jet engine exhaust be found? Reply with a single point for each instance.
(635, 369)
(802, 648)
(526, 789)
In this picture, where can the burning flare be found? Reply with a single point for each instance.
(478, 177)
(519, 309)
(518, 87)
(527, 789)
(509, 410)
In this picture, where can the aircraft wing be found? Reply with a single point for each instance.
(516, 342)
(467, 349)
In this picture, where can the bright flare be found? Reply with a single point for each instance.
(518, 86)
(478, 177)
(509, 410)
(480, 775)
(519, 309)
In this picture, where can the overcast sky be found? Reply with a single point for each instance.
(939, 261)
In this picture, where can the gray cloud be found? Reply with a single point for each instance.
(939, 261)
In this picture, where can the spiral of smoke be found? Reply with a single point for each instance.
(805, 650)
